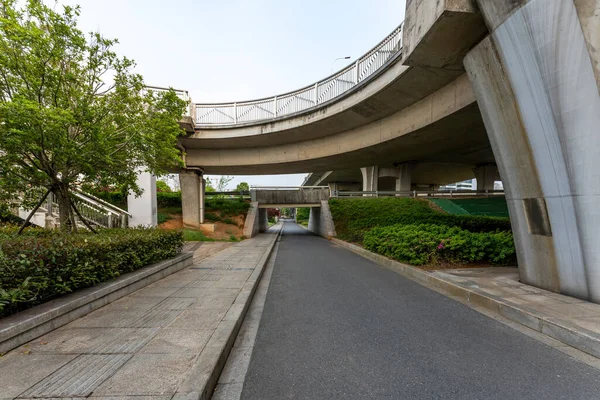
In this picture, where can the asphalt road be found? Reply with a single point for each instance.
(337, 326)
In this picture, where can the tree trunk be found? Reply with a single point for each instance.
(64, 208)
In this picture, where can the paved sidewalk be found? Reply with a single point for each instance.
(160, 341)
(502, 284)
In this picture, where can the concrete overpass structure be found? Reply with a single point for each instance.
(463, 89)
(314, 197)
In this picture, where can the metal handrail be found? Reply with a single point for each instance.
(306, 98)
(106, 205)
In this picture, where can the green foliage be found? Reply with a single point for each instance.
(302, 215)
(211, 217)
(190, 235)
(242, 187)
(44, 264)
(118, 199)
(163, 217)
(354, 217)
(429, 243)
(7, 217)
(227, 207)
(72, 112)
(168, 199)
(162, 187)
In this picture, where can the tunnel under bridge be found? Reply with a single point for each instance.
(313, 197)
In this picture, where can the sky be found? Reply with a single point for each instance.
(235, 50)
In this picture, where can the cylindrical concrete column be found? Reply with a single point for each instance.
(536, 87)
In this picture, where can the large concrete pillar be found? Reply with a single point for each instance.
(536, 85)
(192, 198)
(143, 208)
(404, 180)
(370, 176)
(486, 176)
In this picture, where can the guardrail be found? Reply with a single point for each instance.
(306, 98)
(418, 193)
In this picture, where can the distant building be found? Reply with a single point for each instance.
(470, 184)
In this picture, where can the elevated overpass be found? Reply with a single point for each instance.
(462, 89)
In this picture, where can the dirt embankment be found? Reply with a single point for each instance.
(223, 231)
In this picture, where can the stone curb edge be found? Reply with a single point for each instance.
(563, 331)
(208, 366)
(27, 325)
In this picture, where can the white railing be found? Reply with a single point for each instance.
(306, 98)
(96, 212)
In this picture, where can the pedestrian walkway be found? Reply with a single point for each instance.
(338, 326)
(160, 341)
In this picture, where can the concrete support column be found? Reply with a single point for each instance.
(143, 208)
(404, 180)
(192, 198)
(536, 86)
(370, 175)
(486, 176)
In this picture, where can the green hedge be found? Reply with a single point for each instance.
(41, 264)
(227, 206)
(431, 244)
(163, 199)
(354, 217)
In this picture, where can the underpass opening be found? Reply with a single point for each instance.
(314, 198)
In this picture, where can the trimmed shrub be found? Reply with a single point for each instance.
(430, 244)
(354, 217)
(168, 199)
(41, 264)
(227, 206)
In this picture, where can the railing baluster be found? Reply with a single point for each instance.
(303, 99)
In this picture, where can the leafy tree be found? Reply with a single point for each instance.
(209, 187)
(242, 187)
(162, 186)
(72, 112)
(222, 183)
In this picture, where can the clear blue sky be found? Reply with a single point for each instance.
(232, 50)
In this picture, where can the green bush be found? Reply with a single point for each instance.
(118, 199)
(227, 206)
(168, 199)
(354, 217)
(42, 264)
(7, 217)
(429, 243)
(302, 215)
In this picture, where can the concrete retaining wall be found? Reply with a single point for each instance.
(320, 221)
(256, 220)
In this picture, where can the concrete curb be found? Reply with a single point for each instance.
(208, 366)
(27, 325)
(563, 331)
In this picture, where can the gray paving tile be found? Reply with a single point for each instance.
(13, 379)
(148, 374)
(188, 341)
(80, 377)
(92, 340)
